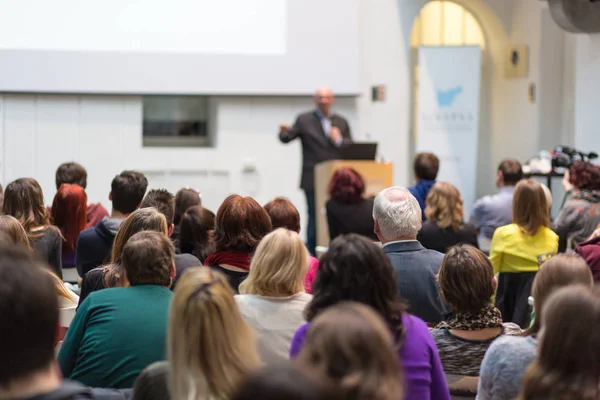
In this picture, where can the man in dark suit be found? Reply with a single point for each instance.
(397, 216)
(322, 133)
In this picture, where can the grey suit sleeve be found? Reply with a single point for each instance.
(291, 134)
(346, 134)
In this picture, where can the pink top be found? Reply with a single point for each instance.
(313, 266)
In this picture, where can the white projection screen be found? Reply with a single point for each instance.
(236, 47)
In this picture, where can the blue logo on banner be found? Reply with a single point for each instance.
(446, 98)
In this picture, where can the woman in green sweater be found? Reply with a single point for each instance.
(118, 332)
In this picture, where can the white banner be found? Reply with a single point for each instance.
(448, 113)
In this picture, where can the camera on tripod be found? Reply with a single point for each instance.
(564, 156)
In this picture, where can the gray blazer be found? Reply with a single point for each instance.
(416, 269)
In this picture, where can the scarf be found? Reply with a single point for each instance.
(237, 259)
(489, 317)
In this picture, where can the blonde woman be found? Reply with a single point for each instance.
(272, 298)
(211, 350)
(445, 227)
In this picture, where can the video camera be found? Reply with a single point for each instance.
(564, 156)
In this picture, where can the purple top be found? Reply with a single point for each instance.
(423, 369)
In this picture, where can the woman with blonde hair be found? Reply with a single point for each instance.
(445, 226)
(272, 298)
(518, 249)
(14, 231)
(211, 350)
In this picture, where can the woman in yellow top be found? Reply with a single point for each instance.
(518, 249)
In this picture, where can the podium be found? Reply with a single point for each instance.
(377, 176)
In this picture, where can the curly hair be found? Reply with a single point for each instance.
(346, 186)
(585, 175)
(445, 206)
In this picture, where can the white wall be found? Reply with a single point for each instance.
(587, 87)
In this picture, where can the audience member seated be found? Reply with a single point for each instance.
(272, 299)
(507, 358)
(518, 250)
(348, 211)
(94, 244)
(211, 349)
(445, 226)
(284, 214)
(112, 275)
(24, 200)
(117, 333)
(567, 365)
(397, 222)
(580, 214)
(13, 231)
(349, 348)
(425, 167)
(194, 232)
(184, 199)
(74, 174)
(467, 284)
(494, 211)
(240, 225)
(590, 251)
(356, 269)
(30, 319)
(68, 213)
(164, 202)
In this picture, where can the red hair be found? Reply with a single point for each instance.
(585, 175)
(69, 210)
(346, 186)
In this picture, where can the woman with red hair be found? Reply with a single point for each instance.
(347, 209)
(69, 214)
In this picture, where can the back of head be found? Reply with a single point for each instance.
(184, 199)
(24, 200)
(585, 175)
(346, 186)
(69, 213)
(14, 231)
(240, 224)
(349, 347)
(356, 269)
(568, 361)
(127, 191)
(530, 207)
(397, 214)
(163, 201)
(211, 348)
(148, 259)
(29, 310)
(278, 266)
(194, 232)
(283, 214)
(512, 171)
(426, 166)
(466, 279)
(71, 173)
(559, 271)
(444, 206)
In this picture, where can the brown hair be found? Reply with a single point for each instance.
(194, 228)
(426, 166)
(240, 224)
(72, 173)
(568, 358)
(444, 206)
(512, 172)
(184, 199)
(163, 201)
(283, 214)
(13, 231)
(560, 270)
(466, 279)
(24, 200)
(530, 208)
(148, 259)
(349, 348)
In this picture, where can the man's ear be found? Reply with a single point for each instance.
(110, 196)
(495, 283)
(376, 227)
(173, 270)
(171, 229)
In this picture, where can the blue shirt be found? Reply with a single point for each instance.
(494, 211)
(420, 191)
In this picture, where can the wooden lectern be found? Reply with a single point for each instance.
(377, 176)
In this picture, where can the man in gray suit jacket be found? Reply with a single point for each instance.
(397, 216)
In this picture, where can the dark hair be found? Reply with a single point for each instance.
(194, 229)
(148, 259)
(72, 173)
(466, 279)
(530, 207)
(585, 175)
(356, 269)
(29, 310)
(346, 186)
(24, 200)
(280, 381)
(283, 214)
(512, 172)
(426, 166)
(163, 201)
(69, 214)
(127, 190)
(184, 199)
(240, 224)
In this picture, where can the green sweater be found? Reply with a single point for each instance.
(115, 334)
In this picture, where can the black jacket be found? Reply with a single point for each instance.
(350, 218)
(95, 244)
(316, 146)
(433, 237)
